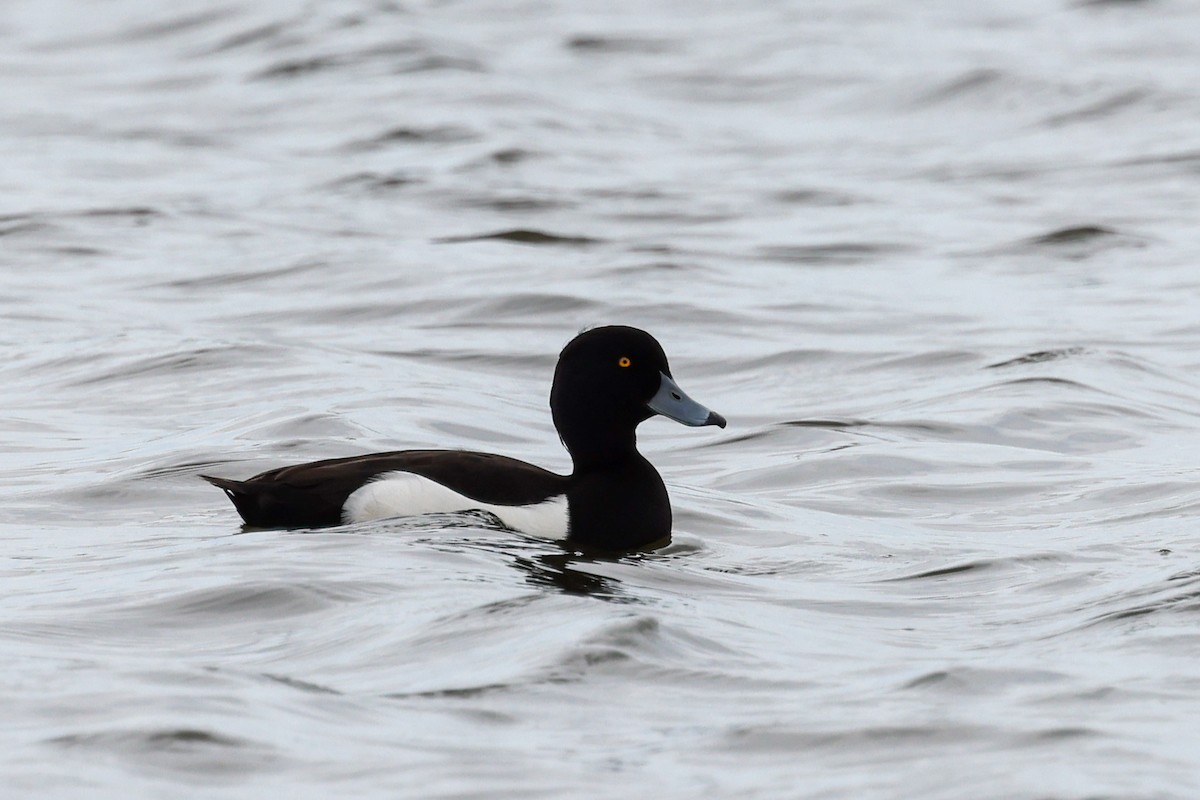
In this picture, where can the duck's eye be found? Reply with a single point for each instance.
(623, 361)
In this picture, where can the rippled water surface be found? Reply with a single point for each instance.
(937, 263)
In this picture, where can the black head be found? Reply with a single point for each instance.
(608, 380)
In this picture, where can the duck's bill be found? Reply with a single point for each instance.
(673, 402)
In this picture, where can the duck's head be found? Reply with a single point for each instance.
(609, 380)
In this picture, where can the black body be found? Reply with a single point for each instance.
(604, 381)
(312, 495)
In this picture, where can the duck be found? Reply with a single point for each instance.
(608, 380)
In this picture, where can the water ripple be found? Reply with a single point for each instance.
(934, 262)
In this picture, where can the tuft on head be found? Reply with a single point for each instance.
(612, 342)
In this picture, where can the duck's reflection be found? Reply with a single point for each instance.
(556, 571)
(567, 572)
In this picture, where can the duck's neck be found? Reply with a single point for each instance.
(599, 449)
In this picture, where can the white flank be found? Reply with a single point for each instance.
(403, 494)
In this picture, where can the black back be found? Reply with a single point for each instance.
(312, 495)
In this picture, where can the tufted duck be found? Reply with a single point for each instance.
(608, 380)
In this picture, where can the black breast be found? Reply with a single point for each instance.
(620, 508)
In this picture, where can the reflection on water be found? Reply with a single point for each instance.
(555, 571)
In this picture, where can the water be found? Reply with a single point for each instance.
(936, 262)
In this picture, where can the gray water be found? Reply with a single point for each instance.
(935, 261)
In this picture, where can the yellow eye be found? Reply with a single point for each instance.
(623, 361)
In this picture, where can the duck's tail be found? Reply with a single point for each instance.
(243, 500)
(227, 484)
